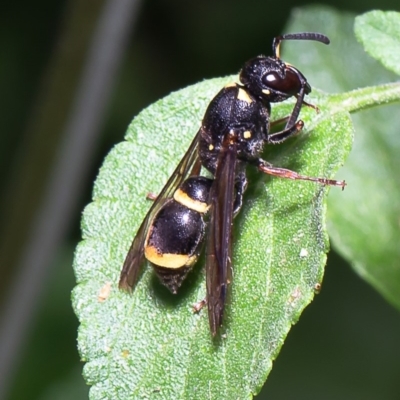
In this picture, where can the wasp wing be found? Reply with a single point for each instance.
(189, 165)
(219, 242)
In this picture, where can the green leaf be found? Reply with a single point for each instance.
(364, 219)
(151, 343)
(379, 33)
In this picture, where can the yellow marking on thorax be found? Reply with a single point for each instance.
(243, 96)
(231, 84)
(247, 134)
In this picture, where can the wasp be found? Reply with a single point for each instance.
(191, 207)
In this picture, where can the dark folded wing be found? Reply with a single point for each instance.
(219, 242)
(188, 166)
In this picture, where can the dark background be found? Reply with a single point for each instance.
(343, 346)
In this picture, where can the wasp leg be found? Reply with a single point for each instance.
(151, 196)
(240, 188)
(269, 169)
(281, 136)
(286, 120)
(197, 307)
(279, 121)
(310, 105)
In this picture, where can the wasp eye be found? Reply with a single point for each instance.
(289, 84)
(272, 80)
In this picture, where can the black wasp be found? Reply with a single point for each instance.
(234, 130)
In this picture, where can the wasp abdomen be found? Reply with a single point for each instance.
(174, 236)
(176, 233)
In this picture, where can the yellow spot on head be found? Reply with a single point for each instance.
(232, 84)
(266, 91)
(243, 96)
(247, 134)
(211, 147)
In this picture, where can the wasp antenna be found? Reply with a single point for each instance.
(318, 37)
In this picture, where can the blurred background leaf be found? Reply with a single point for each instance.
(377, 27)
(349, 335)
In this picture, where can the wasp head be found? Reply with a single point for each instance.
(270, 79)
